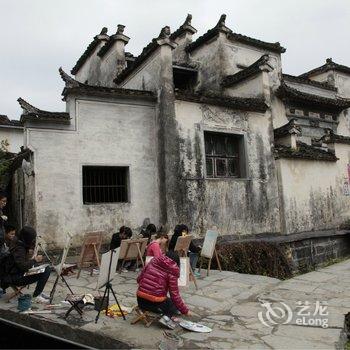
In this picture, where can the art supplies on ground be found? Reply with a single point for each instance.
(194, 327)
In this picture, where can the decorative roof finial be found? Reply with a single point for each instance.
(329, 60)
(188, 20)
(222, 20)
(120, 29)
(104, 31)
(164, 33)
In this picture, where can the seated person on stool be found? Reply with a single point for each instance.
(18, 263)
(182, 230)
(157, 278)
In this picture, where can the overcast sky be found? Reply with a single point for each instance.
(39, 36)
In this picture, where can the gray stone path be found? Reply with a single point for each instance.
(228, 302)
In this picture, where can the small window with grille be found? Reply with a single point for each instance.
(223, 155)
(105, 184)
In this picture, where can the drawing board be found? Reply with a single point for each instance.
(104, 268)
(209, 244)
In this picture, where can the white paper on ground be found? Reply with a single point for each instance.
(195, 327)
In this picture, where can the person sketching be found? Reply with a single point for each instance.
(124, 233)
(148, 232)
(158, 278)
(182, 230)
(19, 262)
(154, 248)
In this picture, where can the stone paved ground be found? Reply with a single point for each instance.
(228, 302)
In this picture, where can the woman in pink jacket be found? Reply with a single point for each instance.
(157, 278)
(154, 248)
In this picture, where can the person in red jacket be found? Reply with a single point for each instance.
(154, 248)
(157, 278)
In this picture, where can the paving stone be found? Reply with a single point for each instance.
(228, 302)
(316, 276)
(278, 342)
(313, 334)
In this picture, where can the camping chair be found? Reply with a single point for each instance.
(147, 317)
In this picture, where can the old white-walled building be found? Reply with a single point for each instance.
(11, 134)
(208, 132)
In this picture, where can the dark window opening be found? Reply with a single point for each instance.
(184, 78)
(224, 155)
(105, 184)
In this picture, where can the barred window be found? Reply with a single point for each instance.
(223, 155)
(105, 184)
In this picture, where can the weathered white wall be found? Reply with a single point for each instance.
(113, 133)
(14, 137)
(310, 89)
(235, 206)
(342, 82)
(91, 69)
(313, 192)
(251, 87)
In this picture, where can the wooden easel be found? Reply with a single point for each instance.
(90, 251)
(131, 249)
(181, 247)
(60, 268)
(209, 250)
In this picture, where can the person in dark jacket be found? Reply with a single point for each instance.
(158, 278)
(19, 263)
(182, 230)
(148, 232)
(124, 233)
(3, 218)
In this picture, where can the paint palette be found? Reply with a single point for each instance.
(195, 327)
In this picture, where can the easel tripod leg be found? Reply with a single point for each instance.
(116, 300)
(101, 305)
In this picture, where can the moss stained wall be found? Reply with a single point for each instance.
(235, 206)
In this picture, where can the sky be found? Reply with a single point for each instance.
(39, 36)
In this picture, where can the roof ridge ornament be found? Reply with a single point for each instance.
(104, 31)
(27, 107)
(164, 33)
(221, 25)
(164, 37)
(120, 29)
(188, 20)
(69, 81)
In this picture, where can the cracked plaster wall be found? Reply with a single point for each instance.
(235, 206)
(109, 133)
(313, 192)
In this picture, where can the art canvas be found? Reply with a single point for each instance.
(59, 267)
(209, 244)
(105, 260)
(92, 241)
(132, 253)
(183, 243)
(184, 278)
